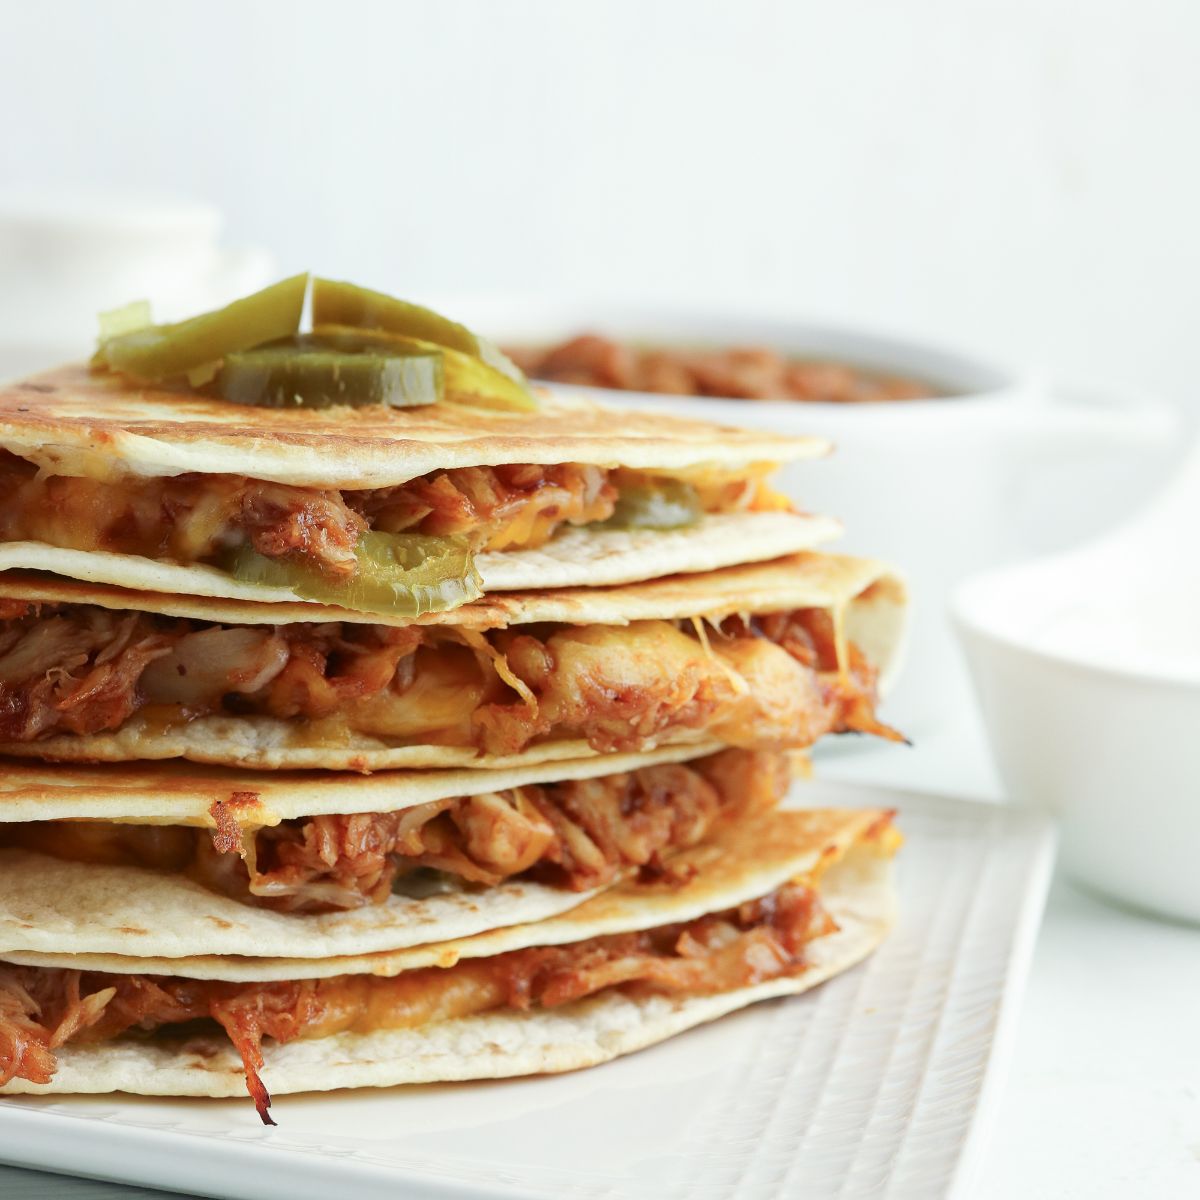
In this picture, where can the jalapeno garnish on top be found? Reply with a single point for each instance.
(336, 303)
(301, 374)
(467, 379)
(129, 317)
(161, 352)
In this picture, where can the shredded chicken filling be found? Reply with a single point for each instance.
(42, 1009)
(200, 518)
(769, 682)
(577, 834)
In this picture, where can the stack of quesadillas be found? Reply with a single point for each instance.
(355, 745)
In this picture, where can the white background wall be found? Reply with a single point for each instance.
(1019, 176)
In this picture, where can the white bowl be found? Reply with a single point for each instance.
(1006, 468)
(66, 256)
(1087, 668)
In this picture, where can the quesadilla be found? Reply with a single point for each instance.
(761, 656)
(555, 668)
(408, 511)
(788, 900)
(439, 859)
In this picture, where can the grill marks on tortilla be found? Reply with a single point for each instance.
(144, 428)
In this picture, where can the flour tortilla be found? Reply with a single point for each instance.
(83, 907)
(801, 580)
(270, 744)
(179, 793)
(51, 906)
(574, 558)
(856, 892)
(866, 597)
(75, 422)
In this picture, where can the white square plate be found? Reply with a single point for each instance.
(876, 1084)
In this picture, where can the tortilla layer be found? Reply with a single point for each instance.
(70, 419)
(869, 600)
(489, 1046)
(179, 793)
(269, 744)
(575, 558)
(806, 579)
(53, 906)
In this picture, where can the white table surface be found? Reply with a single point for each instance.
(1103, 1094)
(1102, 1099)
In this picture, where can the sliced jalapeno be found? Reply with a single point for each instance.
(402, 574)
(160, 352)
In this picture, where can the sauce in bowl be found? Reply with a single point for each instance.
(733, 372)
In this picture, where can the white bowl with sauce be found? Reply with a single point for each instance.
(999, 467)
(1087, 667)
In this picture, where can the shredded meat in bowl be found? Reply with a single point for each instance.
(42, 1009)
(773, 682)
(575, 834)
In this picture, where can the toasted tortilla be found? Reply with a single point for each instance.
(73, 421)
(48, 902)
(53, 906)
(574, 558)
(866, 598)
(77, 423)
(803, 580)
(178, 793)
(856, 892)
(270, 744)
